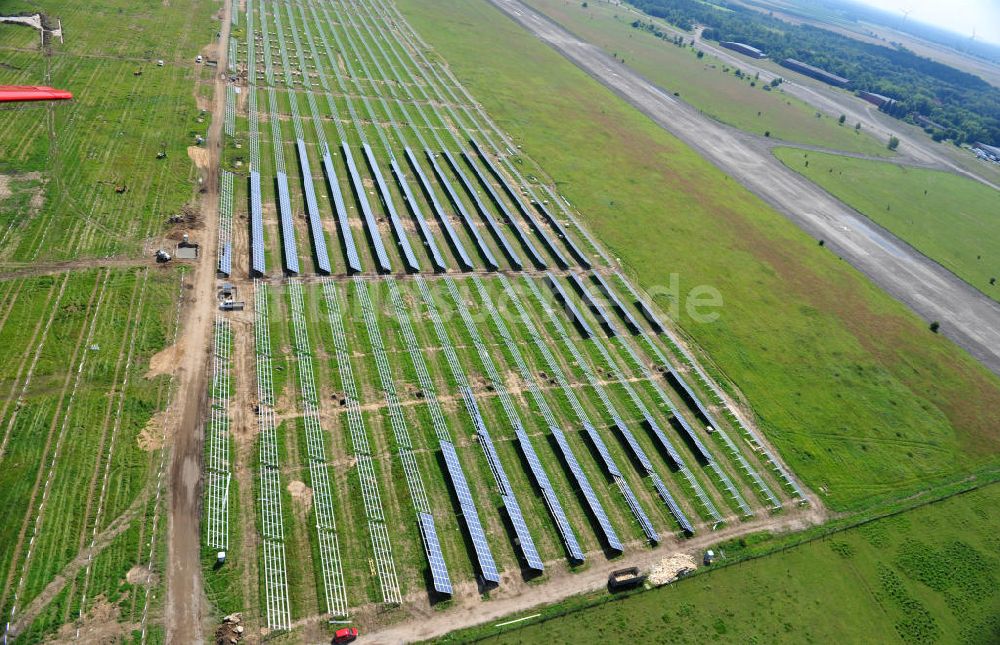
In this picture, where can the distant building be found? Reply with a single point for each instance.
(927, 123)
(744, 49)
(815, 72)
(987, 152)
(878, 100)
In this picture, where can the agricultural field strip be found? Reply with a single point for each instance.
(335, 590)
(610, 409)
(574, 402)
(400, 35)
(470, 514)
(513, 507)
(381, 545)
(731, 413)
(510, 410)
(276, 600)
(414, 482)
(457, 123)
(541, 477)
(639, 364)
(225, 249)
(217, 437)
(53, 463)
(136, 317)
(598, 343)
(397, 171)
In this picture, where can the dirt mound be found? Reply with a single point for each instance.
(151, 437)
(670, 568)
(165, 361)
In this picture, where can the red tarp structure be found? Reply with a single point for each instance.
(14, 93)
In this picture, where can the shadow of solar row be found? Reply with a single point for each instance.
(470, 225)
(637, 451)
(647, 526)
(689, 431)
(411, 202)
(333, 186)
(526, 213)
(470, 515)
(596, 307)
(542, 479)
(508, 217)
(602, 450)
(563, 233)
(623, 311)
(439, 570)
(644, 309)
(590, 498)
(366, 210)
(668, 446)
(672, 504)
(257, 261)
(484, 212)
(412, 264)
(287, 225)
(312, 207)
(442, 216)
(568, 306)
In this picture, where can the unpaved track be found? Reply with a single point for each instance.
(185, 609)
(967, 316)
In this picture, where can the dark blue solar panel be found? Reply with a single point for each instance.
(602, 450)
(435, 558)
(556, 224)
(470, 224)
(507, 215)
(333, 185)
(470, 515)
(689, 431)
(647, 526)
(593, 503)
(312, 207)
(525, 212)
(625, 314)
(226, 259)
(366, 210)
(412, 264)
(524, 537)
(568, 306)
(668, 446)
(671, 503)
(287, 225)
(256, 225)
(453, 239)
(602, 315)
(484, 212)
(637, 450)
(425, 232)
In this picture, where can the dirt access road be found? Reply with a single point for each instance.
(967, 316)
(185, 610)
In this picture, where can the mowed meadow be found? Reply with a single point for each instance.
(860, 397)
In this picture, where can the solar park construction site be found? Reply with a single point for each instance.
(476, 399)
(300, 336)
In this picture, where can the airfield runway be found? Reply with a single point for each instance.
(967, 316)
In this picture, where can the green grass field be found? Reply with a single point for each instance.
(948, 218)
(923, 576)
(706, 83)
(857, 394)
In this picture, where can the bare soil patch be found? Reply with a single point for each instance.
(301, 494)
(165, 361)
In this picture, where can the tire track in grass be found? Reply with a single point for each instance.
(39, 513)
(111, 443)
(20, 370)
(100, 444)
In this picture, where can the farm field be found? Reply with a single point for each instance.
(948, 218)
(706, 83)
(926, 575)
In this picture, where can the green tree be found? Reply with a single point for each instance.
(842, 119)
(893, 142)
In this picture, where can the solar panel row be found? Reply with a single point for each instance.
(470, 225)
(525, 212)
(556, 224)
(366, 210)
(526, 242)
(568, 306)
(521, 530)
(602, 450)
(671, 503)
(412, 264)
(484, 212)
(470, 515)
(647, 526)
(287, 225)
(257, 262)
(602, 315)
(439, 571)
(593, 503)
(453, 239)
(689, 431)
(425, 232)
(333, 186)
(623, 311)
(312, 207)
(668, 446)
